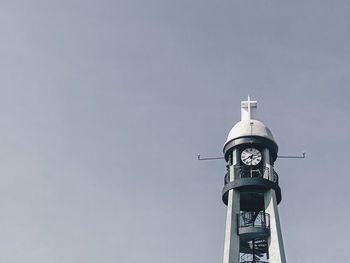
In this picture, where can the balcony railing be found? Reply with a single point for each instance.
(247, 171)
(254, 219)
(253, 261)
(251, 258)
(275, 177)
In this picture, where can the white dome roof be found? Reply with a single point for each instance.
(249, 128)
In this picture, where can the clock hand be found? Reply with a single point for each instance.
(251, 158)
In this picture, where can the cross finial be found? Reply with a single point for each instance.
(248, 109)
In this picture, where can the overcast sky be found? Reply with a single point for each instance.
(105, 104)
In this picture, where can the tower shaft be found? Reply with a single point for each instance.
(251, 193)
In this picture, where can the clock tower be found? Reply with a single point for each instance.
(251, 192)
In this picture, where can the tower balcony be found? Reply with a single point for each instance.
(248, 171)
(252, 181)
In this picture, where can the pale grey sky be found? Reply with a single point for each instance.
(105, 104)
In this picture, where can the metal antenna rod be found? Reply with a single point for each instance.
(207, 159)
(294, 157)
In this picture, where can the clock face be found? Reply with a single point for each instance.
(251, 156)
